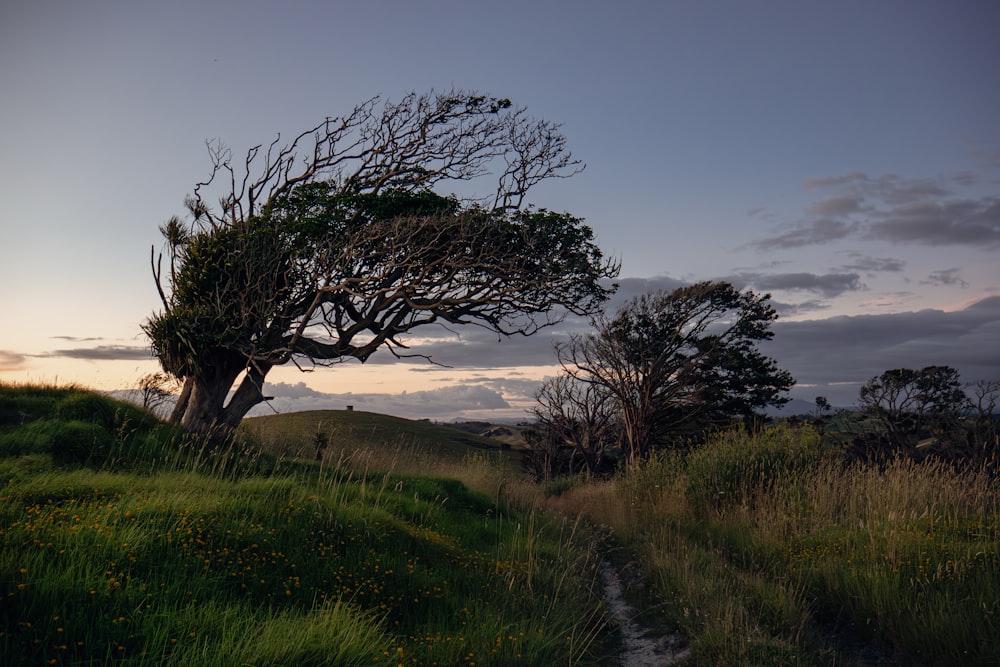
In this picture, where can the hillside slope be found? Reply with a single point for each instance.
(348, 431)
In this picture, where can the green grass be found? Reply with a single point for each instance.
(362, 438)
(124, 541)
(183, 557)
(766, 554)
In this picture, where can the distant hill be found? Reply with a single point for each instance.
(294, 434)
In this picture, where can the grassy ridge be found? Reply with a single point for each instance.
(138, 556)
(354, 432)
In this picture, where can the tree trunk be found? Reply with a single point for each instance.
(180, 407)
(205, 411)
(247, 395)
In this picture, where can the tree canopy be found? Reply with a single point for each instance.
(336, 245)
(911, 404)
(673, 359)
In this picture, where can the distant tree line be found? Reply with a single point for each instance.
(669, 368)
(927, 413)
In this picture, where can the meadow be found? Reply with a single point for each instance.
(126, 542)
(768, 549)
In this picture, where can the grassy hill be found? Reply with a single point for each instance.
(125, 541)
(378, 441)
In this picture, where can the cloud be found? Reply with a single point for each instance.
(293, 391)
(12, 361)
(832, 181)
(811, 232)
(828, 285)
(834, 356)
(629, 288)
(895, 209)
(103, 353)
(874, 264)
(794, 309)
(831, 357)
(838, 206)
(961, 222)
(946, 277)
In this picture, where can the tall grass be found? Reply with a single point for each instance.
(169, 551)
(765, 552)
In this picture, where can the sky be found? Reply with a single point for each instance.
(843, 156)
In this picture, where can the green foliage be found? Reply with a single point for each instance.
(328, 252)
(77, 427)
(23, 404)
(914, 407)
(86, 407)
(734, 468)
(676, 362)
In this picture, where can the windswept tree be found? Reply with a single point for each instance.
(336, 244)
(913, 406)
(676, 359)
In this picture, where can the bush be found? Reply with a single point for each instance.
(24, 404)
(80, 442)
(732, 469)
(86, 407)
(66, 441)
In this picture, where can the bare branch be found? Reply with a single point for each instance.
(333, 244)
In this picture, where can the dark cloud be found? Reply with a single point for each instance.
(12, 361)
(874, 264)
(835, 356)
(828, 285)
(811, 232)
(103, 353)
(895, 209)
(961, 222)
(898, 191)
(76, 339)
(476, 348)
(866, 189)
(292, 391)
(629, 288)
(837, 206)
(832, 181)
(946, 277)
(794, 309)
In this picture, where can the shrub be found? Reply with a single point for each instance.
(80, 442)
(732, 469)
(66, 441)
(86, 407)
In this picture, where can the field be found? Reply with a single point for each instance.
(768, 550)
(123, 541)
